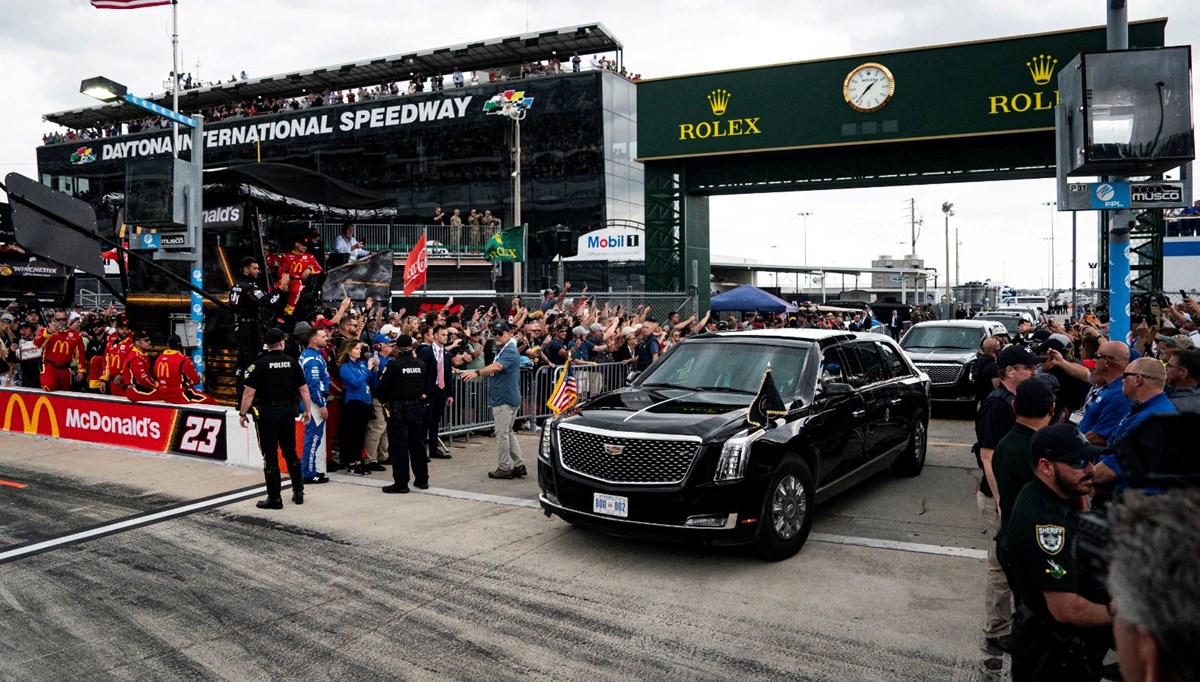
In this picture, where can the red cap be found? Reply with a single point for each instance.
(323, 324)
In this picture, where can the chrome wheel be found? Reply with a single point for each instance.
(918, 442)
(788, 507)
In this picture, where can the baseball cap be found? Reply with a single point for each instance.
(1034, 396)
(1041, 335)
(1180, 341)
(274, 336)
(324, 324)
(1064, 443)
(302, 328)
(404, 341)
(6, 317)
(389, 329)
(1058, 342)
(1017, 355)
(141, 334)
(579, 331)
(384, 338)
(596, 327)
(501, 327)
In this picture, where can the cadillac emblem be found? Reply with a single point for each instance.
(614, 450)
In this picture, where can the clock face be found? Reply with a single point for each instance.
(869, 87)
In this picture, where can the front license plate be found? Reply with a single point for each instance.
(610, 505)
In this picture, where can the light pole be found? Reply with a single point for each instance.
(1051, 204)
(805, 215)
(775, 261)
(192, 182)
(513, 105)
(948, 210)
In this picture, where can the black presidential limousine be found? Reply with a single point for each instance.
(672, 455)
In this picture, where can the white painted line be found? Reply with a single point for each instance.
(483, 497)
(131, 522)
(899, 546)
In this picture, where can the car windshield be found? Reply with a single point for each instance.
(1010, 322)
(733, 366)
(952, 338)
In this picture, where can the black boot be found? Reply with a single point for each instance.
(270, 503)
(298, 496)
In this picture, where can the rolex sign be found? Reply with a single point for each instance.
(612, 244)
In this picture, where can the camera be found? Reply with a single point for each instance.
(1157, 455)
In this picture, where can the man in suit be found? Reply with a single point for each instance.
(439, 386)
(895, 325)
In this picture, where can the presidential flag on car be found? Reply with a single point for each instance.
(128, 4)
(566, 392)
(766, 404)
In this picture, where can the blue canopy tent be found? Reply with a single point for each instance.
(749, 298)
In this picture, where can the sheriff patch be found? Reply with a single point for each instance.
(1050, 538)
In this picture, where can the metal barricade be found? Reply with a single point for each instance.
(442, 241)
(470, 412)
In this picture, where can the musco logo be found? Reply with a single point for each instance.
(1156, 193)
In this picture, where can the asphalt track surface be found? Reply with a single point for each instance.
(355, 585)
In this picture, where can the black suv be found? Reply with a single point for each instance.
(947, 350)
(672, 455)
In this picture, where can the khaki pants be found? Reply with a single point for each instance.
(377, 440)
(506, 440)
(997, 597)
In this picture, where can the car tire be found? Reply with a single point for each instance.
(912, 460)
(787, 510)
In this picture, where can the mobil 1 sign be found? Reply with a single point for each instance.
(612, 244)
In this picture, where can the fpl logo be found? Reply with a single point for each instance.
(1105, 192)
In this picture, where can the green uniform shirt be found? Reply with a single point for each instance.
(1013, 468)
(1040, 538)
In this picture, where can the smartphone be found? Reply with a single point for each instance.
(1183, 293)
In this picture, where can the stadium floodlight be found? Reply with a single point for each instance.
(103, 89)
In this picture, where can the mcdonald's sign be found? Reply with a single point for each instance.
(30, 421)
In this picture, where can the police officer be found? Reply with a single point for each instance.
(254, 308)
(272, 383)
(1059, 633)
(402, 392)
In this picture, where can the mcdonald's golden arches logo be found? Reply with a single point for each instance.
(61, 347)
(30, 422)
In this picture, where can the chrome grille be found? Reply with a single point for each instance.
(941, 374)
(644, 458)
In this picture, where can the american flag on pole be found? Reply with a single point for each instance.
(566, 393)
(128, 4)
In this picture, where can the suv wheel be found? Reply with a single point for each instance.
(912, 460)
(787, 514)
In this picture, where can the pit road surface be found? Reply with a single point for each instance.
(470, 582)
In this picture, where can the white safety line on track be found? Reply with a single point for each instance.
(131, 522)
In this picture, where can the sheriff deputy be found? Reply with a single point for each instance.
(1058, 633)
(272, 384)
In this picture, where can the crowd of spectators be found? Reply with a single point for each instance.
(417, 83)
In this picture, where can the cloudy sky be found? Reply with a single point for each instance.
(48, 46)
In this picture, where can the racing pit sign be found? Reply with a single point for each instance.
(1124, 194)
(156, 427)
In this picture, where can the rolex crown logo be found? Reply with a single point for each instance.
(1041, 68)
(718, 99)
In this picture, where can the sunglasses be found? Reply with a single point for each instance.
(60, 319)
(1077, 463)
(1138, 374)
(1098, 356)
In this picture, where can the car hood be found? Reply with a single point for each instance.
(941, 355)
(707, 414)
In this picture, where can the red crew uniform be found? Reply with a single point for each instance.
(114, 362)
(297, 265)
(176, 375)
(139, 384)
(58, 349)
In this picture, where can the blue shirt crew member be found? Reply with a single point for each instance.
(402, 391)
(581, 347)
(1143, 385)
(316, 375)
(1104, 414)
(504, 397)
(647, 351)
(272, 384)
(356, 413)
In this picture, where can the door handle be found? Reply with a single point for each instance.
(858, 413)
(895, 401)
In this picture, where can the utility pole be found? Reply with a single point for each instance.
(948, 210)
(957, 260)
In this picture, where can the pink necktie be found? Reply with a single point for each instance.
(441, 378)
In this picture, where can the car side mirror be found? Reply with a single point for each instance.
(836, 389)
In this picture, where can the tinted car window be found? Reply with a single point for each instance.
(896, 366)
(866, 365)
(832, 371)
(729, 365)
(934, 337)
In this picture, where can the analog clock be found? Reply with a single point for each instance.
(869, 87)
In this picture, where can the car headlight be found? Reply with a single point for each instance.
(544, 444)
(734, 454)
